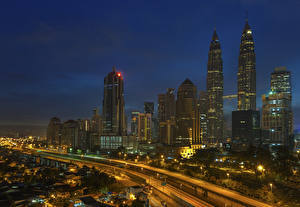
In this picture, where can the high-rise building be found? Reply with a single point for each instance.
(149, 108)
(214, 87)
(155, 129)
(245, 129)
(70, 134)
(281, 81)
(96, 129)
(134, 123)
(114, 122)
(203, 105)
(54, 132)
(277, 115)
(247, 72)
(185, 109)
(84, 142)
(166, 116)
(197, 136)
(144, 127)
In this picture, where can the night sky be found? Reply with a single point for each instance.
(55, 54)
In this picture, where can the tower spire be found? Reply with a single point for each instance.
(215, 36)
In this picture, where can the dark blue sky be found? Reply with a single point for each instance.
(55, 54)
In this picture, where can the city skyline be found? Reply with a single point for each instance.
(150, 103)
(56, 93)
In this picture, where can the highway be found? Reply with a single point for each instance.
(144, 171)
(202, 184)
(156, 183)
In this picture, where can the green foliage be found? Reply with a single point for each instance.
(284, 161)
(205, 156)
(97, 181)
(137, 203)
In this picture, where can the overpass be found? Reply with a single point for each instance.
(178, 184)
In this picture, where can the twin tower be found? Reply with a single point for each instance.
(246, 83)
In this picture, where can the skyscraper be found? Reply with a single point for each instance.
(277, 116)
(134, 123)
(70, 134)
(96, 129)
(166, 116)
(185, 109)
(203, 115)
(113, 105)
(84, 134)
(281, 81)
(144, 126)
(54, 131)
(214, 87)
(247, 72)
(245, 129)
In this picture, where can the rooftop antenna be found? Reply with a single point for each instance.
(246, 15)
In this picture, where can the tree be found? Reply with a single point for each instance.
(205, 156)
(284, 161)
(137, 203)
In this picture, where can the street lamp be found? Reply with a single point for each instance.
(271, 186)
(260, 168)
(227, 175)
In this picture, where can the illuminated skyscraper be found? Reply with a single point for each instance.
(144, 127)
(113, 105)
(247, 72)
(281, 81)
(214, 87)
(203, 115)
(277, 116)
(185, 110)
(134, 123)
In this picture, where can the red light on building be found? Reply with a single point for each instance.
(119, 74)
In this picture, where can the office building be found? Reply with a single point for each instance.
(214, 87)
(70, 134)
(134, 123)
(203, 99)
(54, 132)
(245, 129)
(114, 122)
(166, 117)
(185, 109)
(277, 115)
(96, 130)
(84, 135)
(144, 127)
(247, 71)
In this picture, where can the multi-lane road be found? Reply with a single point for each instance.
(183, 197)
(146, 172)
